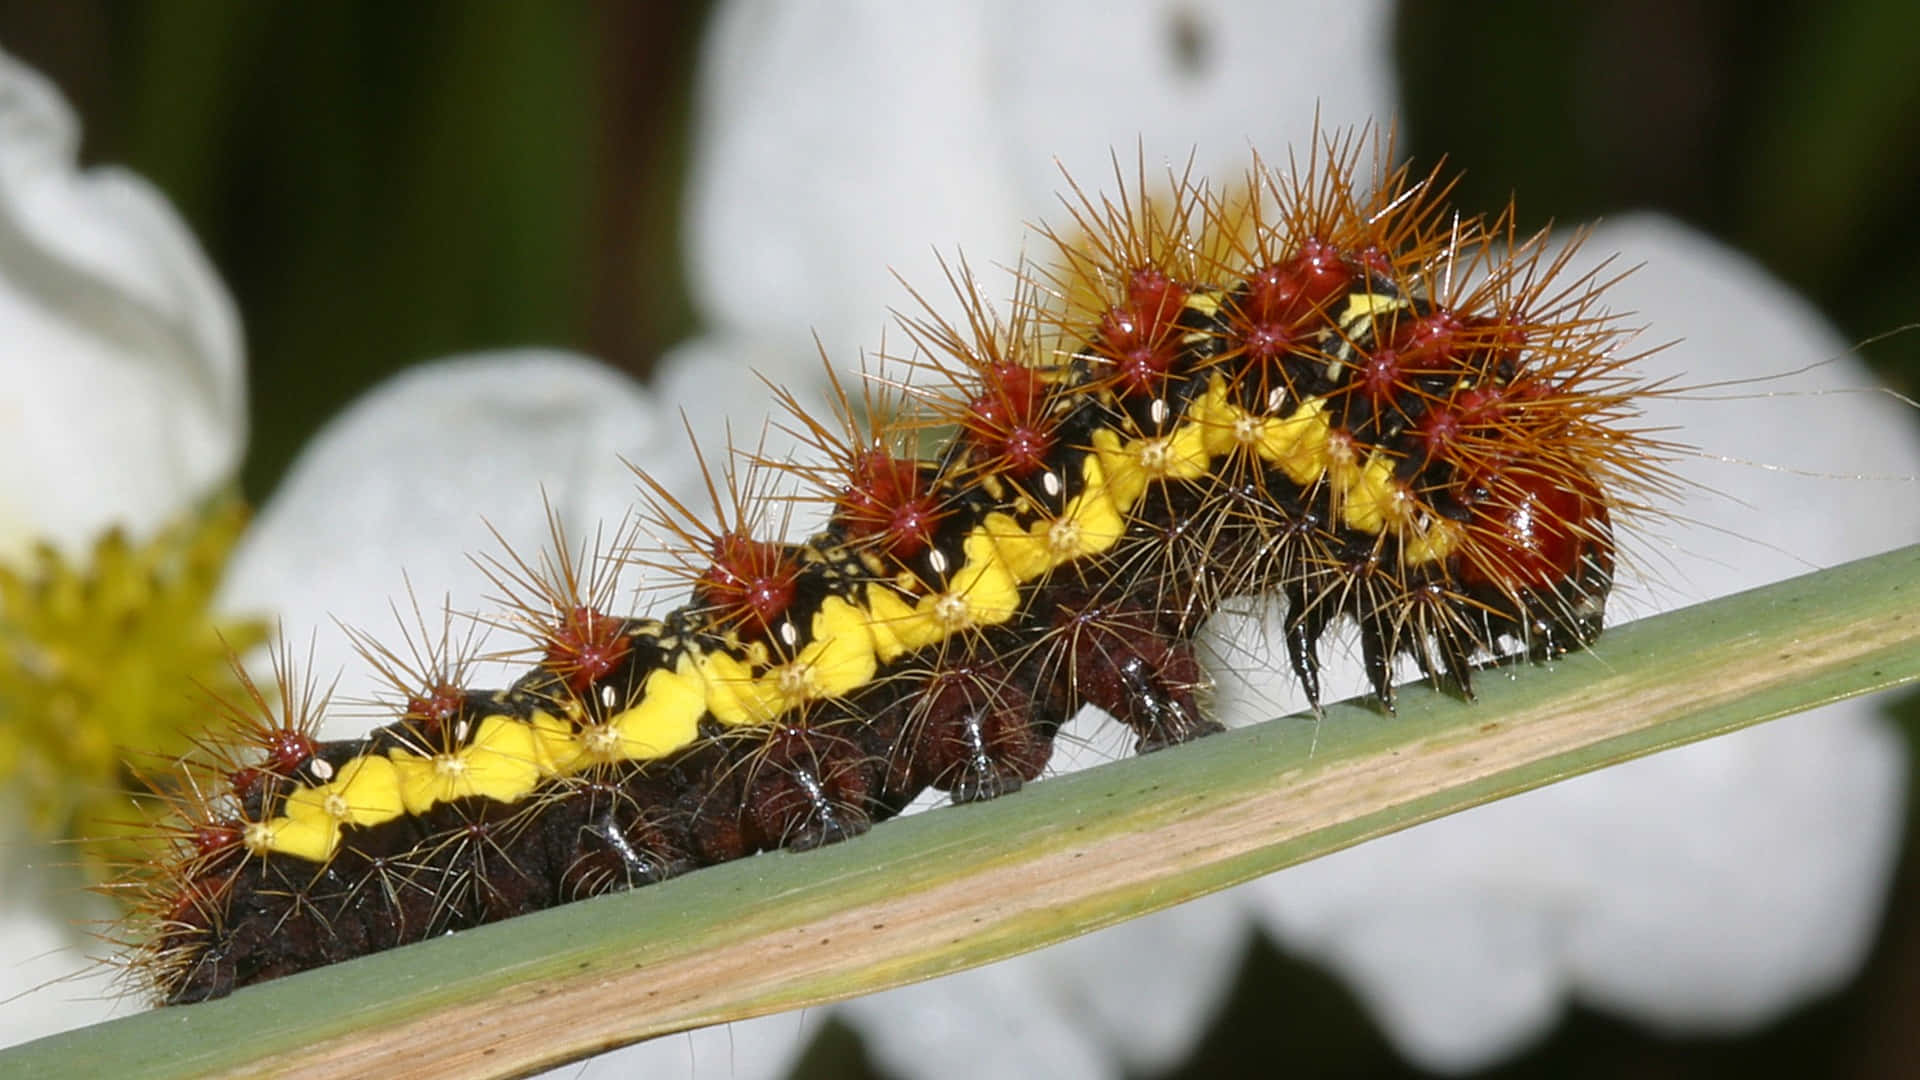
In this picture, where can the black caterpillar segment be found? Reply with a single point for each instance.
(1356, 404)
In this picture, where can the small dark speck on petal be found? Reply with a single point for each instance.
(1189, 41)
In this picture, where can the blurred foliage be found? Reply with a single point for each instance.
(384, 183)
(381, 184)
(1778, 126)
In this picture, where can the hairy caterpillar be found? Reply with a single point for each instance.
(1319, 387)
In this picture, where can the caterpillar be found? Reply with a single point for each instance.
(1320, 387)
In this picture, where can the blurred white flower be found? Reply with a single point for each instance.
(126, 391)
(839, 144)
(435, 466)
(125, 405)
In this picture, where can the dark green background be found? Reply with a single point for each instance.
(382, 183)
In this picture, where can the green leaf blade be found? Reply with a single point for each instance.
(964, 886)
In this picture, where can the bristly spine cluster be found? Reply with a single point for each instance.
(1317, 386)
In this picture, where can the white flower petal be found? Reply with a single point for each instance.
(1004, 1019)
(760, 1049)
(843, 142)
(122, 358)
(1149, 1024)
(1082, 83)
(50, 986)
(1804, 469)
(1767, 887)
(403, 486)
(719, 384)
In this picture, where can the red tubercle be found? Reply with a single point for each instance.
(193, 907)
(585, 647)
(1506, 420)
(1533, 529)
(1493, 345)
(1493, 429)
(1478, 406)
(188, 910)
(214, 838)
(1526, 391)
(1496, 404)
(1414, 348)
(1438, 430)
(1024, 450)
(1434, 342)
(1509, 339)
(1287, 291)
(1011, 394)
(1155, 297)
(749, 584)
(1378, 260)
(1381, 376)
(247, 783)
(1265, 342)
(1281, 297)
(287, 749)
(886, 503)
(439, 705)
(1136, 336)
(1008, 420)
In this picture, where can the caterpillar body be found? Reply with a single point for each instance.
(1319, 387)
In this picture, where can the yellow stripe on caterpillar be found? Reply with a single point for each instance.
(365, 792)
(839, 658)
(1297, 443)
(1429, 538)
(1089, 525)
(983, 593)
(502, 762)
(508, 757)
(667, 717)
(1369, 497)
(1301, 444)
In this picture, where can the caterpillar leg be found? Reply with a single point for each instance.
(973, 730)
(797, 787)
(1134, 663)
(624, 835)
